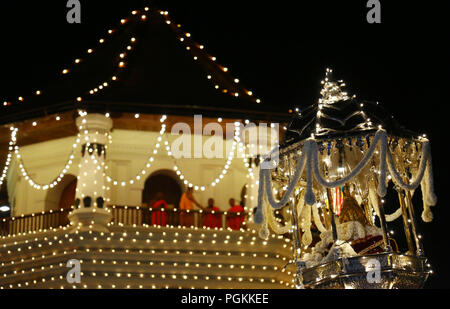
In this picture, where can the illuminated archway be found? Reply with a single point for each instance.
(166, 182)
(62, 195)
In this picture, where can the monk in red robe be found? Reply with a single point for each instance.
(236, 214)
(159, 213)
(212, 220)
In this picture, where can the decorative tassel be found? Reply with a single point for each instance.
(309, 158)
(306, 225)
(264, 232)
(259, 217)
(427, 215)
(317, 221)
(431, 196)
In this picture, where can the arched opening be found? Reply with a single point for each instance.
(62, 195)
(166, 182)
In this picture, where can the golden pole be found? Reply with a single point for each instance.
(405, 221)
(410, 206)
(332, 217)
(383, 222)
(295, 227)
(326, 217)
(366, 212)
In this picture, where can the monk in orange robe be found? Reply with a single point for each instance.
(187, 202)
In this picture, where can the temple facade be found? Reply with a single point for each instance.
(126, 157)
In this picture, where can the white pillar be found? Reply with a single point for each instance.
(90, 197)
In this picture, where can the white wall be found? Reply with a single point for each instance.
(126, 156)
(44, 162)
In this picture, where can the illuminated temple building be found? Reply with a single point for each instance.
(89, 152)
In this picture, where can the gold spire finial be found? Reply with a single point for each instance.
(331, 91)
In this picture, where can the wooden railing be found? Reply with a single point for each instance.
(34, 222)
(127, 215)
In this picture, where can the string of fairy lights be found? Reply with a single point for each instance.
(149, 161)
(224, 170)
(197, 50)
(144, 235)
(36, 185)
(183, 37)
(236, 145)
(11, 147)
(78, 60)
(57, 179)
(47, 242)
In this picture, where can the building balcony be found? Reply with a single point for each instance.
(138, 253)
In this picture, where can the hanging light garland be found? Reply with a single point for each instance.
(105, 84)
(12, 145)
(67, 70)
(198, 49)
(57, 179)
(121, 64)
(222, 174)
(236, 143)
(183, 37)
(149, 160)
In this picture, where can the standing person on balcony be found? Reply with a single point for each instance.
(235, 217)
(187, 202)
(212, 220)
(159, 213)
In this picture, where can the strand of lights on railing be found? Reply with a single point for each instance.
(159, 238)
(122, 55)
(22, 246)
(185, 276)
(70, 238)
(149, 160)
(11, 147)
(57, 179)
(166, 276)
(14, 218)
(200, 211)
(230, 157)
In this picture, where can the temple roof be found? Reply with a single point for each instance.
(147, 64)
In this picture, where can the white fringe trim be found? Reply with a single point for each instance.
(309, 159)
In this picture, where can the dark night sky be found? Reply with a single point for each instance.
(280, 50)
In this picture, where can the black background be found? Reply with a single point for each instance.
(280, 49)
